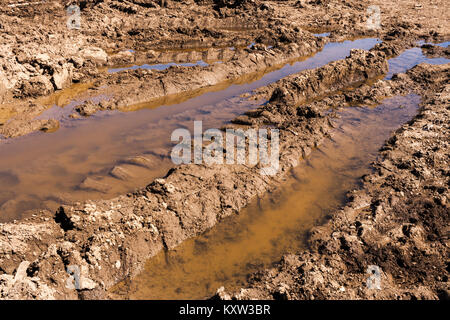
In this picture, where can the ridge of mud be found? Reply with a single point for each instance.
(175, 80)
(397, 221)
(111, 240)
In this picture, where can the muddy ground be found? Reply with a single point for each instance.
(397, 221)
(41, 56)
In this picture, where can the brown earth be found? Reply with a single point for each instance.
(432, 51)
(402, 210)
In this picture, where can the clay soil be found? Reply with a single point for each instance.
(397, 220)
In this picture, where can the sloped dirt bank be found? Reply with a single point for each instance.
(397, 221)
(110, 240)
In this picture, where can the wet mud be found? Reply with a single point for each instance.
(80, 159)
(277, 223)
(87, 182)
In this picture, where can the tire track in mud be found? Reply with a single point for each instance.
(96, 151)
(396, 221)
(278, 222)
(111, 240)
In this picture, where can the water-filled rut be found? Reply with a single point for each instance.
(277, 223)
(80, 162)
(42, 171)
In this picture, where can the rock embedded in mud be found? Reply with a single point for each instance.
(3, 88)
(76, 61)
(30, 288)
(117, 26)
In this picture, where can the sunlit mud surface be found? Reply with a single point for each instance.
(61, 99)
(278, 223)
(42, 171)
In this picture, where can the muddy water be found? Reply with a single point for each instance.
(42, 171)
(410, 58)
(324, 34)
(60, 98)
(278, 223)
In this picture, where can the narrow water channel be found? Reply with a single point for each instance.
(278, 223)
(410, 58)
(45, 170)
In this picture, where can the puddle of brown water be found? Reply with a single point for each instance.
(278, 223)
(249, 82)
(60, 98)
(42, 171)
(410, 58)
